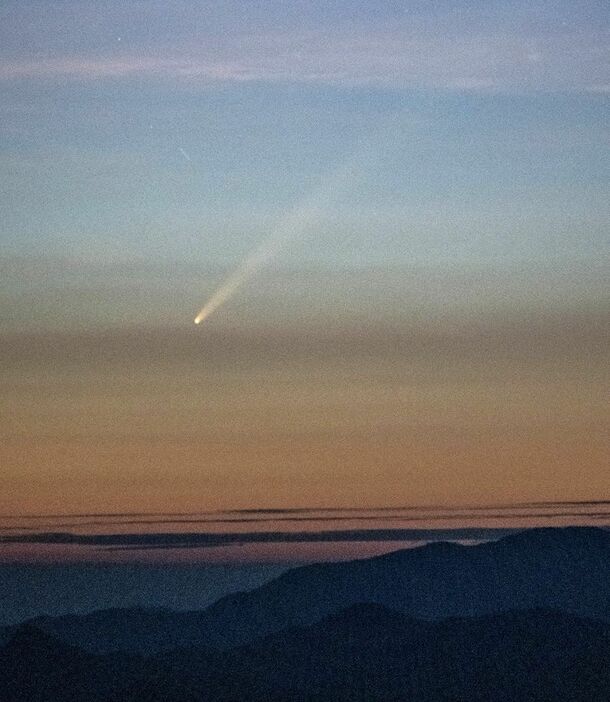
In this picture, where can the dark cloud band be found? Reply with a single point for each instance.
(208, 540)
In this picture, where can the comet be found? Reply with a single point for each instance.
(300, 219)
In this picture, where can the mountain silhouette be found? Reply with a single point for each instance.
(566, 569)
(37, 667)
(365, 652)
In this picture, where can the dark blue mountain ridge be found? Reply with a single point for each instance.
(37, 667)
(381, 654)
(363, 652)
(566, 569)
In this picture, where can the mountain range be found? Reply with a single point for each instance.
(523, 618)
(566, 569)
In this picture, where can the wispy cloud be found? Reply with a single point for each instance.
(451, 516)
(396, 515)
(279, 512)
(211, 540)
(393, 57)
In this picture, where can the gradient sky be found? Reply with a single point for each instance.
(438, 333)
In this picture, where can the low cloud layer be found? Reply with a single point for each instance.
(287, 517)
(207, 540)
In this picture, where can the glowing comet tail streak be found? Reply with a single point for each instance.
(291, 226)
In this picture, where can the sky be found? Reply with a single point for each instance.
(426, 322)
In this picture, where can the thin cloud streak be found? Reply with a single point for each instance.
(217, 514)
(327, 519)
(382, 58)
(210, 540)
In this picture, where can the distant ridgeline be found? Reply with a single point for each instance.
(523, 618)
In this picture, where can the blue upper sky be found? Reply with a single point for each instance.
(475, 131)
